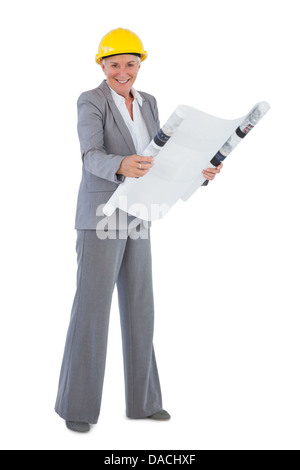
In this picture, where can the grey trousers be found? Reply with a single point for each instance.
(101, 265)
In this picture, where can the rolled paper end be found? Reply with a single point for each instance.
(258, 112)
(264, 107)
(255, 115)
(180, 111)
(109, 209)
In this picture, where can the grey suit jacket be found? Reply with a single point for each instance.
(104, 141)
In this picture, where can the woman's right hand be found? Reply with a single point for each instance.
(135, 166)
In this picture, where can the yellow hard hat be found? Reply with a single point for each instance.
(120, 41)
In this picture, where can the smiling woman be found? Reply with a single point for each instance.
(115, 124)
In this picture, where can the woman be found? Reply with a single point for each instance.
(115, 124)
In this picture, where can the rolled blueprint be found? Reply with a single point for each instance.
(151, 150)
(188, 143)
(252, 118)
(164, 133)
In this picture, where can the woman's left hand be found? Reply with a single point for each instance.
(210, 173)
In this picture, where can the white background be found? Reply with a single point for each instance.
(226, 263)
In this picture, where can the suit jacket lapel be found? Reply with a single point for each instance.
(118, 118)
(149, 121)
(145, 111)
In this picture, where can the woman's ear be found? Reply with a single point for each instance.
(102, 65)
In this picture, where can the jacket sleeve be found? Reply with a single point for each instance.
(90, 132)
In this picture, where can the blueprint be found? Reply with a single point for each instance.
(189, 142)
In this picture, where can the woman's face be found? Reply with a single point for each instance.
(121, 72)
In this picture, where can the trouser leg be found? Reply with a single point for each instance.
(82, 372)
(135, 292)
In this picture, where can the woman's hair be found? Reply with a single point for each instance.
(124, 53)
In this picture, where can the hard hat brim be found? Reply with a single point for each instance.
(142, 55)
